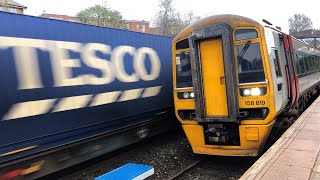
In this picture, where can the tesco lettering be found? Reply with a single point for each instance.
(28, 72)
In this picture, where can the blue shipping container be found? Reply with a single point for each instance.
(62, 82)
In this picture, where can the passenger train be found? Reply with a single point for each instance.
(234, 80)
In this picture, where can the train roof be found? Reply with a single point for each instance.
(232, 20)
(310, 48)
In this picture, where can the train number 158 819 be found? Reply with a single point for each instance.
(255, 103)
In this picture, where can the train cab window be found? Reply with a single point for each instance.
(183, 70)
(250, 67)
(246, 34)
(184, 44)
(275, 56)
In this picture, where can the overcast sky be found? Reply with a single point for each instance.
(275, 11)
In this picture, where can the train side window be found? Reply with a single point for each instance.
(246, 34)
(297, 64)
(306, 62)
(276, 62)
(313, 63)
(310, 63)
(301, 64)
(316, 60)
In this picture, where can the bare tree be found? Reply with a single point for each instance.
(169, 22)
(190, 18)
(4, 5)
(299, 22)
(167, 18)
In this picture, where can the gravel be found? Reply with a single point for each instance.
(220, 168)
(169, 154)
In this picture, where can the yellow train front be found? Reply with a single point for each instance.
(222, 91)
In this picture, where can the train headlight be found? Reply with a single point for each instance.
(253, 91)
(246, 92)
(185, 95)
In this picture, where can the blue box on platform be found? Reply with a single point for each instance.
(128, 172)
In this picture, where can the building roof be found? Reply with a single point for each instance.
(307, 34)
(13, 3)
(56, 15)
(136, 21)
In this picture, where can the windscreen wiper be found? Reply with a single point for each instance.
(244, 49)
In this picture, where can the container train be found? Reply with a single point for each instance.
(235, 80)
(71, 92)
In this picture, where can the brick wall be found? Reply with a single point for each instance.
(58, 16)
(138, 26)
(20, 11)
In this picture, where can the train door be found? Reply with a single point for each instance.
(277, 64)
(289, 70)
(214, 87)
(280, 84)
(295, 71)
(213, 72)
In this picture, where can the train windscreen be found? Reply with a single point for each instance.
(183, 70)
(250, 67)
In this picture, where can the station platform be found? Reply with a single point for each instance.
(295, 155)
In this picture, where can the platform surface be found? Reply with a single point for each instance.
(296, 153)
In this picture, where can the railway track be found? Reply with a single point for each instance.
(187, 170)
(216, 168)
(171, 156)
(169, 149)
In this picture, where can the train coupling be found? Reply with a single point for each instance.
(217, 133)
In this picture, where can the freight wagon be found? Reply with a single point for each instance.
(71, 92)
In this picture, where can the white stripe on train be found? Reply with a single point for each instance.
(33, 108)
(69, 103)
